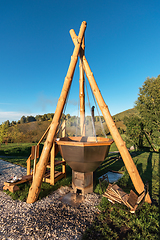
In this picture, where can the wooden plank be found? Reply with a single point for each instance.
(12, 189)
(29, 165)
(52, 161)
(57, 174)
(56, 163)
(60, 176)
(47, 180)
(47, 175)
(24, 179)
(82, 144)
(141, 196)
(114, 192)
(112, 197)
(124, 196)
(132, 199)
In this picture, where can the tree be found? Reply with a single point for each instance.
(148, 105)
(68, 116)
(38, 117)
(7, 123)
(147, 123)
(4, 133)
(23, 119)
(30, 119)
(16, 135)
(134, 131)
(13, 123)
(50, 116)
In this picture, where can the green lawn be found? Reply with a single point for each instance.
(16, 149)
(115, 223)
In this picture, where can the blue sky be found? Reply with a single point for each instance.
(122, 48)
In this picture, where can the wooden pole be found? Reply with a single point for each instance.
(81, 83)
(81, 90)
(36, 184)
(29, 165)
(63, 135)
(35, 162)
(92, 112)
(128, 161)
(52, 159)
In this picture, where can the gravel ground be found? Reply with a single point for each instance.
(48, 218)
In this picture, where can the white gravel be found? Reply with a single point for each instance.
(48, 218)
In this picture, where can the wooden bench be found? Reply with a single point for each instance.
(12, 187)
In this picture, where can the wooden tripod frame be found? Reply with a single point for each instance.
(41, 168)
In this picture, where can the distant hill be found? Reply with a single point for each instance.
(32, 131)
(126, 113)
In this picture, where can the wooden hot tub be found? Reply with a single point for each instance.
(84, 154)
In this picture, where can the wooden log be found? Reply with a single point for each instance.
(36, 184)
(35, 162)
(29, 165)
(63, 135)
(81, 91)
(127, 159)
(81, 83)
(12, 188)
(52, 164)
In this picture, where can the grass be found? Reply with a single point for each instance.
(117, 223)
(16, 149)
(112, 222)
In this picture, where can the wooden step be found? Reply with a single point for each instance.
(56, 163)
(57, 176)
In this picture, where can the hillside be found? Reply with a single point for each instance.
(32, 131)
(126, 113)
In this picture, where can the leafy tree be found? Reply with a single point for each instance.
(16, 135)
(13, 123)
(148, 105)
(50, 116)
(30, 119)
(96, 118)
(88, 120)
(134, 131)
(38, 117)
(68, 116)
(7, 123)
(146, 126)
(23, 119)
(4, 133)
